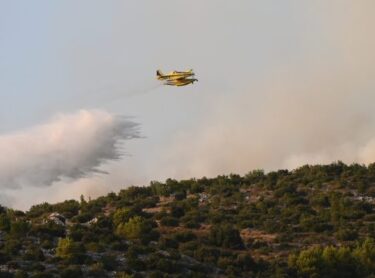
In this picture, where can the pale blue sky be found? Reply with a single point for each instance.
(273, 77)
(55, 55)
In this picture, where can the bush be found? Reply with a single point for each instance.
(167, 266)
(3, 257)
(94, 247)
(68, 249)
(68, 208)
(335, 261)
(38, 210)
(19, 228)
(34, 254)
(71, 271)
(96, 270)
(177, 211)
(133, 262)
(42, 275)
(180, 195)
(20, 274)
(83, 217)
(169, 221)
(167, 243)
(346, 234)
(4, 222)
(122, 216)
(192, 224)
(12, 246)
(135, 228)
(226, 236)
(50, 228)
(184, 236)
(245, 262)
(109, 262)
(119, 246)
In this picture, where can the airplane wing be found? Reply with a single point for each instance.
(180, 77)
(174, 75)
(180, 73)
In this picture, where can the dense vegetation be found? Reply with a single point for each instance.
(315, 221)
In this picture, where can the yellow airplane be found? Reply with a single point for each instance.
(180, 82)
(174, 75)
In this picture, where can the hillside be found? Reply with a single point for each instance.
(314, 221)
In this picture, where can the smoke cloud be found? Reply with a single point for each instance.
(70, 146)
(315, 108)
(294, 122)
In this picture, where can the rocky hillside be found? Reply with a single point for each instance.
(315, 221)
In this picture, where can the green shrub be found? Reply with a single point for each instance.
(71, 271)
(169, 221)
(226, 236)
(135, 228)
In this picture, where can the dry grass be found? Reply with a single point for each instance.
(253, 234)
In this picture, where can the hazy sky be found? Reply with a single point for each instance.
(281, 84)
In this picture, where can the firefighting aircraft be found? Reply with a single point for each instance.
(176, 78)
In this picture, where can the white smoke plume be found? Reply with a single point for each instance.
(70, 146)
(316, 108)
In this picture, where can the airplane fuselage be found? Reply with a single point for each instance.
(174, 75)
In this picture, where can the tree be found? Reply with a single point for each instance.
(308, 262)
(19, 228)
(71, 271)
(122, 215)
(68, 208)
(134, 263)
(169, 221)
(68, 249)
(177, 211)
(226, 236)
(364, 253)
(254, 176)
(38, 210)
(334, 261)
(135, 228)
(338, 262)
(34, 254)
(4, 222)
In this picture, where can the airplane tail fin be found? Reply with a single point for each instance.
(159, 73)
